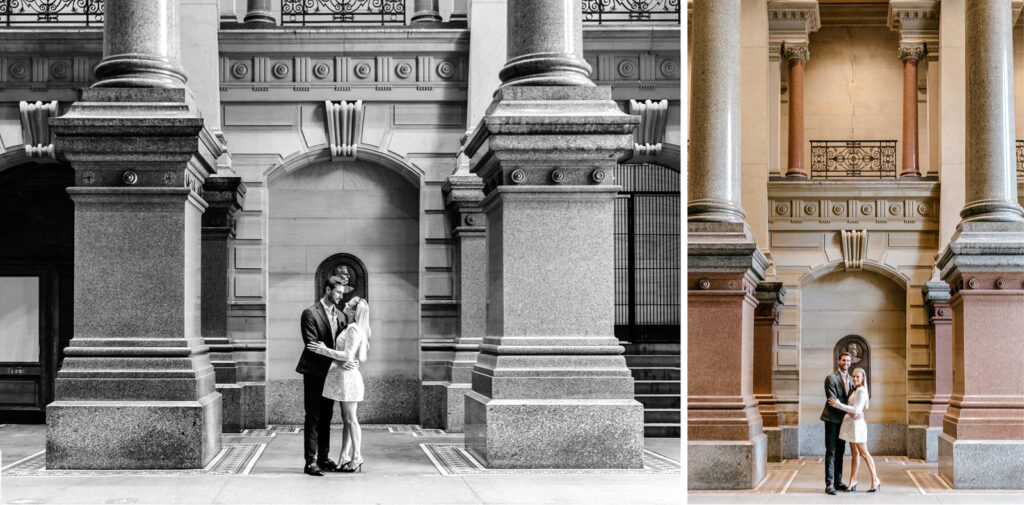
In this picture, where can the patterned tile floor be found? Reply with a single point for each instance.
(453, 459)
(233, 459)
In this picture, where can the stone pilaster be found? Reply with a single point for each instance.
(726, 447)
(982, 442)
(425, 12)
(923, 435)
(551, 392)
(462, 193)
(225, 196)
(770, 296)
(260, 13)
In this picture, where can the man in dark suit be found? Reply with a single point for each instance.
(320, 322)
(838, 386)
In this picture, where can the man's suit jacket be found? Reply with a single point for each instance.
(834, 389)
(316, 326)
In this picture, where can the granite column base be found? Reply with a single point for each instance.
(443, 405)
(232, 417)
(790, 442)
(576, 433)
(923, 442)
(726, 464)
(981, 464)
(254, 405)
(114, 435)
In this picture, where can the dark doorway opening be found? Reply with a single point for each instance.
(36, 286)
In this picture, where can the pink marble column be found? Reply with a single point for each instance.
(910, 54)
(797, 56)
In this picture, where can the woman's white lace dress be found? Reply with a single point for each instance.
(854, 430)
(346, 385)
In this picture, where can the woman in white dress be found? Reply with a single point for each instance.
(855, 431)
(346, 386)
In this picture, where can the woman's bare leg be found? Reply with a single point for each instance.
(870, 462)
(351, 420)
(853, 464)
(346, 441)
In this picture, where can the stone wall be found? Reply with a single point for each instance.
(368, 211)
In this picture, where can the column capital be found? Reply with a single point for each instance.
(795, 51)
(225, 197)
(791, 22)
(463, 193)
(936, 296)
(770, 296)
(912, 51)
(917, 22)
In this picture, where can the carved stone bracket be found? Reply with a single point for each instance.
(35, 129)
(648, 136)
(344, 128)
(225, 197)
(855, 248)
(770, 297)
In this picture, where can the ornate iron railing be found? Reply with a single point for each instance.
(1020, 159)
(318, 12)
(34, 12)
(853, 159)
(632, 11)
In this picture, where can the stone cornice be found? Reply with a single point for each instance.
(854, 204)
(792, 20)
(917, 22)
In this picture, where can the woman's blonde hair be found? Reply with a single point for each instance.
(865, 385)
(362, 324)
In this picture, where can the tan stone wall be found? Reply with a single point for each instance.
(347, 207)
(854, 303)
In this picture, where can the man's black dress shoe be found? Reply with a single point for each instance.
(841, 487)
(312, 469)
(327, 465)
(830, 490)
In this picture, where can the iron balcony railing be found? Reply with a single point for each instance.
(1020, 159)
(631, 11)
(36, 12)
(319, 12)
(853, 159)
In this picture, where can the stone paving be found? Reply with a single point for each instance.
(404, 464)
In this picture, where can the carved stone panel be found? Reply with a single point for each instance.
(861, 351)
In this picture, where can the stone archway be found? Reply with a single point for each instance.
(870, 305)
(318, 209)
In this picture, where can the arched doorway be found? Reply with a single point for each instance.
(868, 309)
(36, 285)
(366, 216)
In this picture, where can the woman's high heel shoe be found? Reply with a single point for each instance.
(353, 466)
(878, 484)
(852, 487)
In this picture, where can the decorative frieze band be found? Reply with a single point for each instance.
(35, 129)
(44, 71)
(649, 134)
(633, 67)
(302, 71)
(344, 127)
(912, 213)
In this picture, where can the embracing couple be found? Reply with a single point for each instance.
(336, 343)
(844, 422)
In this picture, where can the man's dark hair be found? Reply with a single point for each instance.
(844, 353)
(333, 282)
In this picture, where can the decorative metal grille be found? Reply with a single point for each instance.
(1020, 159)
(35, 12)
(647, 248)
(853, 159)
(612, 11)
(314, 12)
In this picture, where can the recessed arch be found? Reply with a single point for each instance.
(372, 154)
(868, 265)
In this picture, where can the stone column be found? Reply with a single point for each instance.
(463, 192)
(225, 196)
(425, 11)
(136, 390)
(796, 56)
(923, 440)
(982, 443)
(551, 392)
(726, 447)
(770, 296)
(260, 13)
(910, 54)
(790, 23)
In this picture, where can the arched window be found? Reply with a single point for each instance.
(349, 268)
